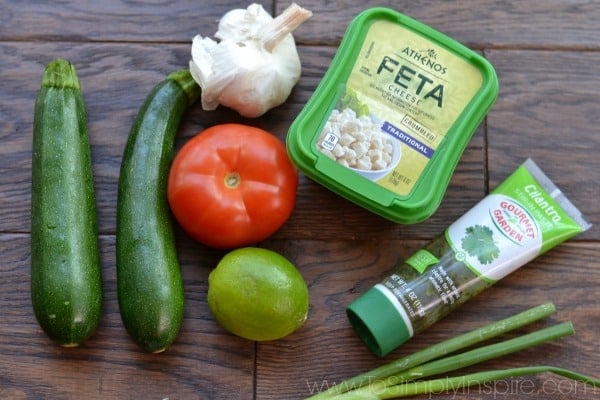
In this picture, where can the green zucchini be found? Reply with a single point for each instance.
(66, 279)
(149, 282)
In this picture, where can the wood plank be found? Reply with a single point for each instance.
(204, 362)
(326, 350)
(115, 79)
(547, 109)
(111, 20)
(111, 110)
(488, 23)
(529, 23)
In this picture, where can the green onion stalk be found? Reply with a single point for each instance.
(397, 378)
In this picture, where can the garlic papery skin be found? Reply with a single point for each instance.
(254, 65)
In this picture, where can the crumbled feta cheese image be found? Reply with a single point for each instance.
(357, 142)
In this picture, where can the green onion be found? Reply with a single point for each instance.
(471, 357)
(485, 353)
(439, 350)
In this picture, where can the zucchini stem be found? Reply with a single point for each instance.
(60, 73)
(184, 79)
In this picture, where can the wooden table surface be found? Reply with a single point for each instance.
(546, 54)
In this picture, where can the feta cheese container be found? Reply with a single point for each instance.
(389, 121)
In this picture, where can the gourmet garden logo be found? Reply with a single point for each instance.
(426, 58)
(514, 222)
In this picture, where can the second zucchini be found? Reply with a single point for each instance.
(149, 282)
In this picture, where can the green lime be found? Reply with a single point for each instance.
(257, 294)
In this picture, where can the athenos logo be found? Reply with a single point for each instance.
(514, 222)
(427, 58)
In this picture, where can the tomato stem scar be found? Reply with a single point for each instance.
(232, 180)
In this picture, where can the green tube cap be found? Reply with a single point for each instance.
(377, 317)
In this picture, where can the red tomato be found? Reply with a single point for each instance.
(232, 185)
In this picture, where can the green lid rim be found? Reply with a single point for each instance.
(379, 320)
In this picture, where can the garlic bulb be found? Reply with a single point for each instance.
(254, 65)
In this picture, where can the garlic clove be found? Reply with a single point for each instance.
(210, 68)
(242, 25)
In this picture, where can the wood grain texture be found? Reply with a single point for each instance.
(485, 23)
(547, 109)
(527, 23)
(112, 20)
(205, 362)
(546, 56)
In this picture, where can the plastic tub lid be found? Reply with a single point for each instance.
(389, 121)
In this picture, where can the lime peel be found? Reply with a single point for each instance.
(258, 294)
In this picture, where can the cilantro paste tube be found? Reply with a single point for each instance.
(522, 218)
